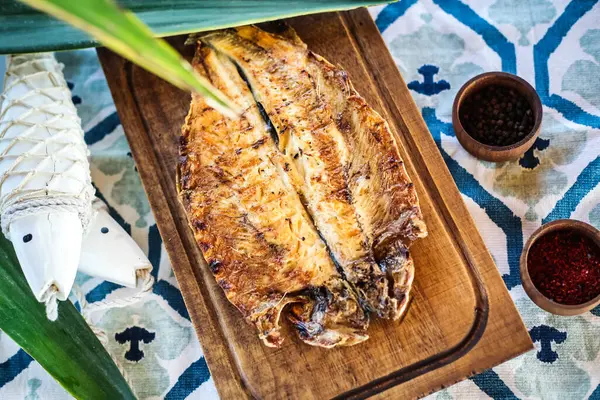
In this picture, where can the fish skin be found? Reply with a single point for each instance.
(250, 225)
(344, 161)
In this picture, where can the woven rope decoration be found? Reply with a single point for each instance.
(43, 156)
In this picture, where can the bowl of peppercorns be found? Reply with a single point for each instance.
(497, 116)
(560, 267)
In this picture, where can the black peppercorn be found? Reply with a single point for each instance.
(496, 115)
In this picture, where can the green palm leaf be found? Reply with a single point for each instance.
(66, 348)
(125, 34)
(23, 30)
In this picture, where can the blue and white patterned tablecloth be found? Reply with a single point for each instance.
(555, 45)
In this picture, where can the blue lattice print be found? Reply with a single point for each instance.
(438, 45)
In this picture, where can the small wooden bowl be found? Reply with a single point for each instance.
(536, 296)
(497, 153)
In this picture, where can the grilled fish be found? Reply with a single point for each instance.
(343, 161)
(249, 221)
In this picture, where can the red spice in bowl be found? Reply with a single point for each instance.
(564, 266)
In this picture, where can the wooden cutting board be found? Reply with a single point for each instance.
(461, 320)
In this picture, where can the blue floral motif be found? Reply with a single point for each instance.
(576, 78)
(416, 50)
(135, 336)
(34, 384)
(428, 87)
(143, 338)
(546, 335)
(549, 381)
(539, 172)
(529, 160)
(510, 12)
(555, 370)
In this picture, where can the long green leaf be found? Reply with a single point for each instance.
(23, 30)
(125, 34)
(66, 348)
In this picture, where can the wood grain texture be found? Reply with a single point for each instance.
(461, 319)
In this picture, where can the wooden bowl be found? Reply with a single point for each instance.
(497, 153)
(536, 296)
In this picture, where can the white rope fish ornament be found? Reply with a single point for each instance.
(47, 206)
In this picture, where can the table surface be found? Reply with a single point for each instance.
(438, 45)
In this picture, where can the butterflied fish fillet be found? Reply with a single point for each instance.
(343, 161)
(250, 224)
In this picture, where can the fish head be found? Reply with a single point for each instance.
(108, 252)
(48, 246)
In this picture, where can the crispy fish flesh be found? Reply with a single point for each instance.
(343, 161)
(250, 224)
